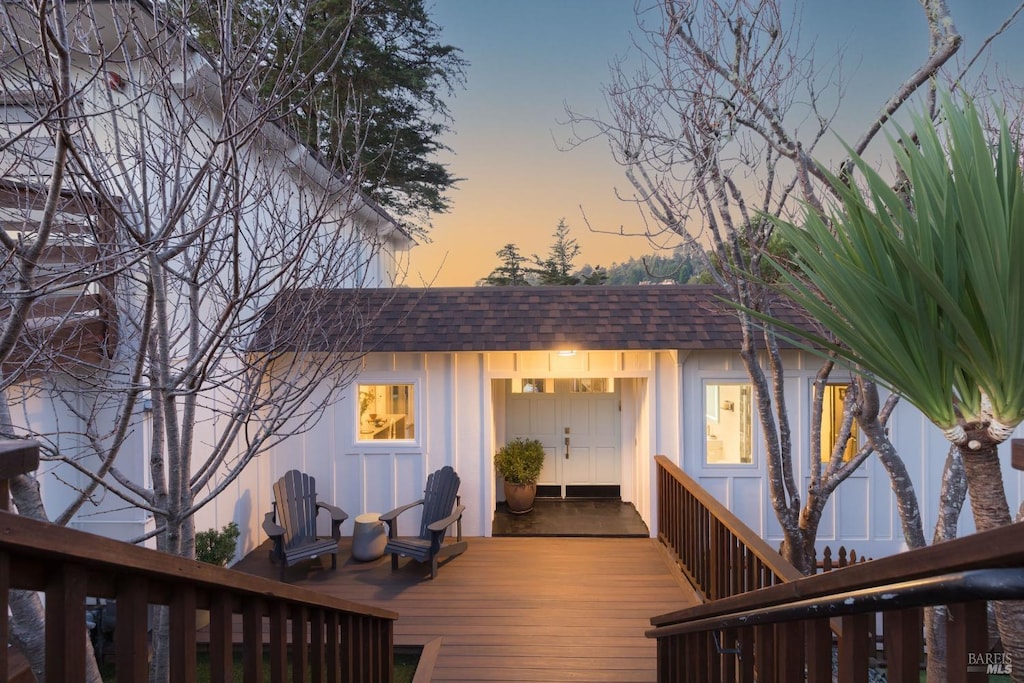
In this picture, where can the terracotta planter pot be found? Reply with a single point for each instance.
(519, 497)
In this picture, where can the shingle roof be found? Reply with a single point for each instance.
(529, 318)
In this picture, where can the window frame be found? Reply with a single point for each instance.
(416, 412)
(709, 413)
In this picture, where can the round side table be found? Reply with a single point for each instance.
(368, 537)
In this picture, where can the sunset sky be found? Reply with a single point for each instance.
(529, 59)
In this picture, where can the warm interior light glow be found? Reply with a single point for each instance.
(567, 352)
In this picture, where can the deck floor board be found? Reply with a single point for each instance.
(518, 609)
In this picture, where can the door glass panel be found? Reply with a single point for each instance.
(593, 385)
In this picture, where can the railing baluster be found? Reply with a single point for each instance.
(333, 648)
(316, 645)
(853, 649)
(966, 633)
(818, 635)
(131, 645)
(901, 632)
(252, 640)
(183, 635)
(764, 653)
(300, 643)
(221, 640)
(65, 623)
(277, 617)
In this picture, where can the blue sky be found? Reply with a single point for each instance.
(531, 58)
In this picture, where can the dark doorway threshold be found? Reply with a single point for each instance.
(572, 517)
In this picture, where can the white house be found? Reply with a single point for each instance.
(606, 378)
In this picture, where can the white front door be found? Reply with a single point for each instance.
(579, 430)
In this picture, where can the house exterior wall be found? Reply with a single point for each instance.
(459, 418)
(862, 513)
(460, 422)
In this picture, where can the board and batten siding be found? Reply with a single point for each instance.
(862, 513)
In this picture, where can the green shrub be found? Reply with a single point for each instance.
(217, 547)
(520, 461)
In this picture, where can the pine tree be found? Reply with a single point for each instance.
(511, 272)
(557, 268)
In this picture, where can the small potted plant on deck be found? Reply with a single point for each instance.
(519, 463)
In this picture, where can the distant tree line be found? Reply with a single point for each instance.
(557, 268)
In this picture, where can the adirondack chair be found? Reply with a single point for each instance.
(295, 537)
(441, 508)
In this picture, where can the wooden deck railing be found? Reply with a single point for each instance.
(331, 639)
(720, 555)
(794, 628)
(778, 633)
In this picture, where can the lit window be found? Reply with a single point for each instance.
(386, 412)
(727, 424)
(832, 423)
(593, 385)
(532, 385)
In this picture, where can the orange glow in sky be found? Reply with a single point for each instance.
(529, 59)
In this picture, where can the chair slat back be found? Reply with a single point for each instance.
(295, 497)
(438, 497)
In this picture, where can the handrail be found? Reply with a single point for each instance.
(720, 555)
(344, 640)
(979, 584)
(787, 630)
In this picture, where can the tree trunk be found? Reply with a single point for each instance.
(988, 503)
(951, 502)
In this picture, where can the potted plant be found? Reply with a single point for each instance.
(217, 547)
(519, 463)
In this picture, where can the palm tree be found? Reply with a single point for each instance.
(920, 288)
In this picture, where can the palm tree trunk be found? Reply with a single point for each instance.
(988, 503)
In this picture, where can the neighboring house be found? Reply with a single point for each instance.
(88, 328)
(606, 378)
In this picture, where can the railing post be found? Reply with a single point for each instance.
(17, 456)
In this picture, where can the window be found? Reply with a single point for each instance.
(386, 412)
(593, 385)
(832, 423)
(532, 385)
(27, 146)
(728, 430)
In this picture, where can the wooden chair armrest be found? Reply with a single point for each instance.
(338, 516)
(389, 517)
(270, 528)
(442, 524)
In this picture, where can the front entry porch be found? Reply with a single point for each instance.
(609, 518)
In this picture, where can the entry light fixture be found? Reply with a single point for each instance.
(566, 353)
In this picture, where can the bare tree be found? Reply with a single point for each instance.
(213, 225)
(717, 128)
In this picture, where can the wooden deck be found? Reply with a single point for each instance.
(518, 609)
